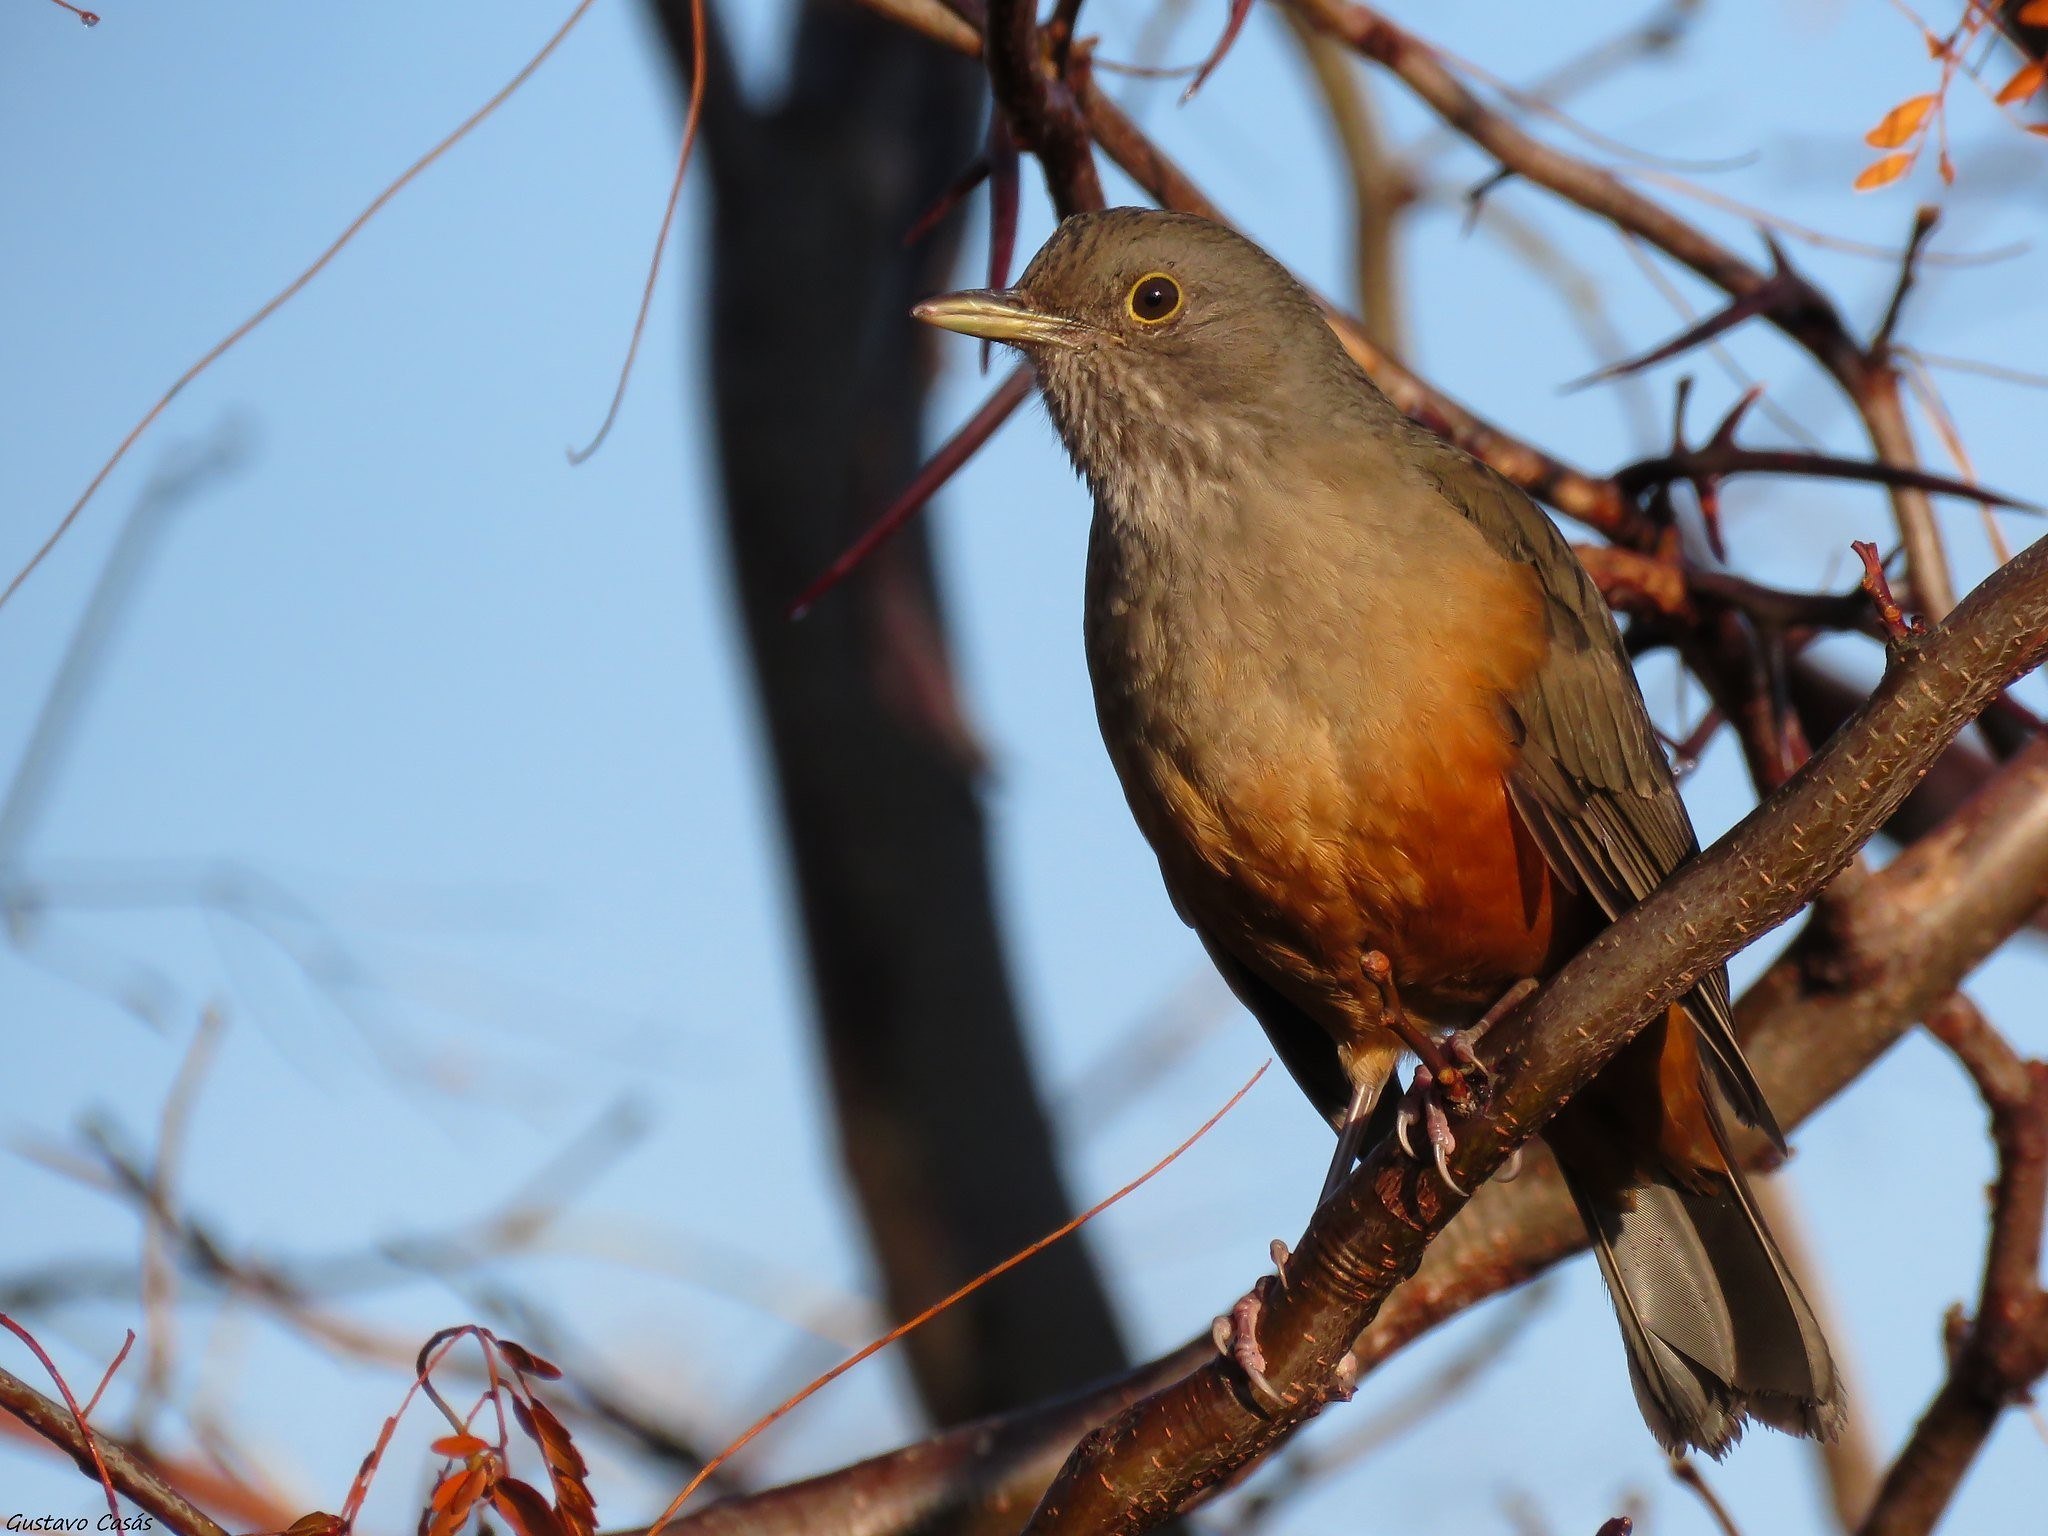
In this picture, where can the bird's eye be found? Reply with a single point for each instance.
(1155, 299)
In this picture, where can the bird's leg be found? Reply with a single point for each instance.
(1350, 1137)
(1439, 1079)
(1379, 974)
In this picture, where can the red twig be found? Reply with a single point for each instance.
(1239, 9)
(90, 18)
(675, 1505)
(938, 469)
(107, 1376)
(1897, 626)
(668, 218)
(92, 1443)
(285, 294)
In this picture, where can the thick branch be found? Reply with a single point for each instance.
(1134, 1472)
(1845, 991)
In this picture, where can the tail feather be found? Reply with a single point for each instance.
(1716, 1328)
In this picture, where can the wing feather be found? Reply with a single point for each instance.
(1592, 781)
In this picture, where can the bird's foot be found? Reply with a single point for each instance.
(1422, 1110)
(1449, 1062)
(1236, 1334)
(1462, 1081)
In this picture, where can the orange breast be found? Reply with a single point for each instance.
(1393, 831)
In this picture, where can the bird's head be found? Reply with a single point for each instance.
(1161, 339)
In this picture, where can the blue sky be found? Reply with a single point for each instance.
(474, 716)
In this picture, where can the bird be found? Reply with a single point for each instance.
(1381, 732)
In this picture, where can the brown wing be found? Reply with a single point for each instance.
(1592, 781)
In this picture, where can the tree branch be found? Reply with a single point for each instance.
(1874, 961)
(1041, 109)
(2004, 1351)
(1136, 1471)
(132, 1476)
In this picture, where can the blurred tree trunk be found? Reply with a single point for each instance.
(820, 381)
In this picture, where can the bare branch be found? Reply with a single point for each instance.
(135, 1479)
(1043, 115)
(1924, 218)
(1876, 958)
(2004, 1350)
(1687, 1473)
(1800, 311)
(1380, 189)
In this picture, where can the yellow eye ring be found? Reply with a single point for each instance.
(1155, 299)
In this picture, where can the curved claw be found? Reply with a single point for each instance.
(1237, 1339)
(1423, 1104)
(1419, 1086)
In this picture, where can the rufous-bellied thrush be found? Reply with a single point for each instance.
(1380, 729)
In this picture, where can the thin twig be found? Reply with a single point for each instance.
(1686, 1473)
(285, 294)
(695, 115)
(1924, 220)
(1065, 1229)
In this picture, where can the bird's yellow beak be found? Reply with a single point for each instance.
(998, 316)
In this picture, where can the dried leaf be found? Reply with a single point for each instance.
(556, 1445)
(2024, 84)
(1882, 173)
(318, 1523)
(525, 1510)
(2040, 128)
(2033, 14)
(527, 1363)
(1901, 123)
(460, 1447)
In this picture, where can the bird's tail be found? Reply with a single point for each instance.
(1716, 1328)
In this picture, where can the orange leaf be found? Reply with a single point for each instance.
(2040, 128)
(2024, 84)
(1901, 123)
(458, 1445)
(2033, 14)
(525, 1510)
(455, 1499)
(1882, 173)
